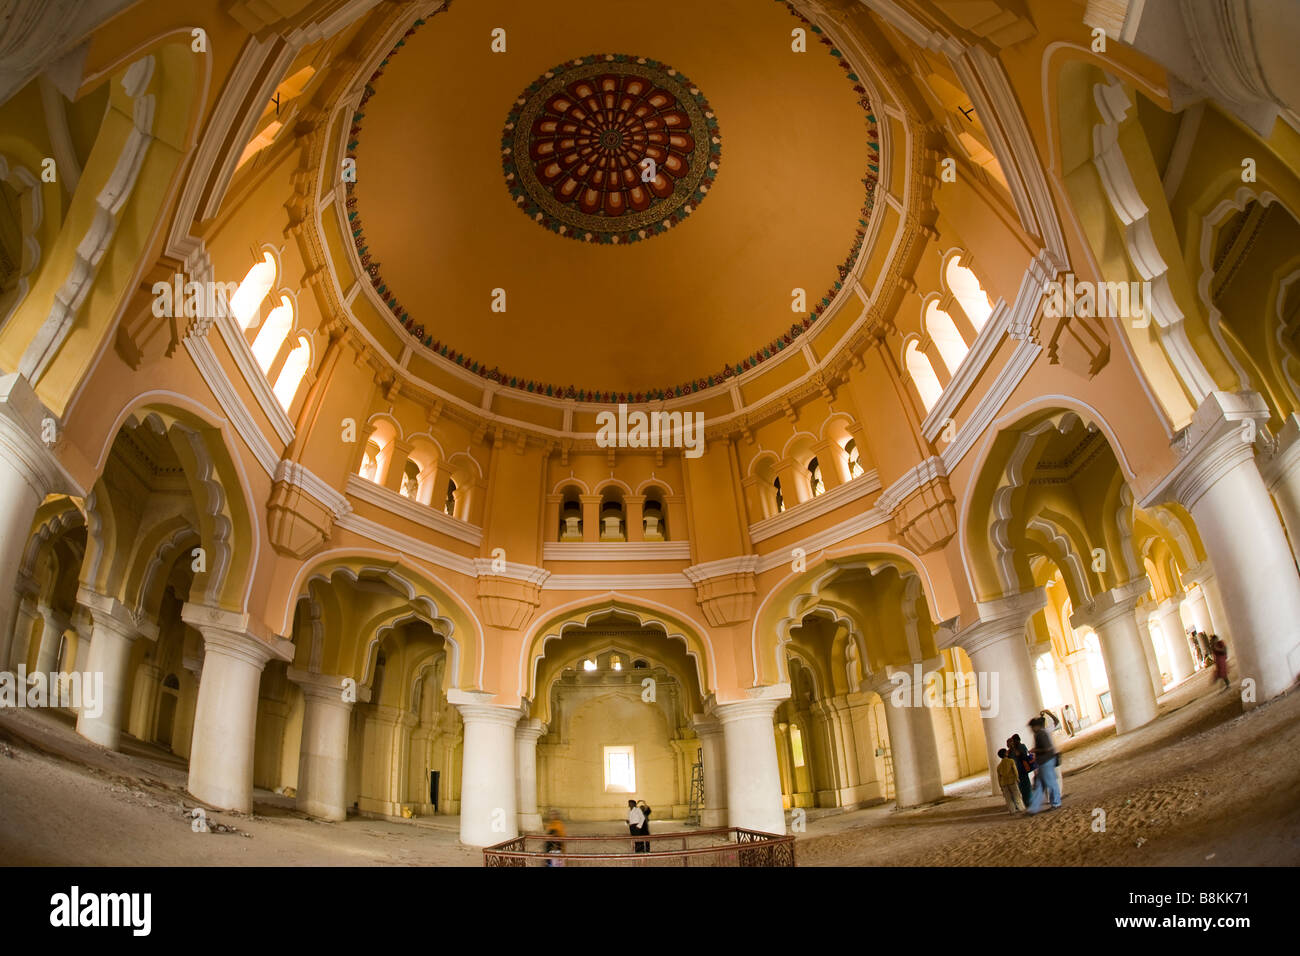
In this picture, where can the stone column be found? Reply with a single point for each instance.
(15, 645)
(29, 471)
(113, 630)
(1169, 614)
(1198, 610)
(1218, 482)
(1110, 614)
(999, 656)
(323, 761)
(753, 780)
(713, 754)
(1280, 469)
(54, 624)
(1142, 619)
(488, 808)
(527, 733)
(634, 507)
(917, 777)
(225, 717)
(590, 517)
(25, 624)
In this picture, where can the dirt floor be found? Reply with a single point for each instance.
(1203, 785)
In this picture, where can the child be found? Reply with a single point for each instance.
(1009, 780)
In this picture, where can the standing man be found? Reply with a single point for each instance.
(635, 818)
(1046, 784)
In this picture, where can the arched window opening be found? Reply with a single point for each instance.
(571, 516)
(922, 373)
(273, 333)
(449, 505)
(369, 462)
(854, 459)
(410, 480)
(943, 331)
(966, 289)
(652, 520)
(815, 478)
(612, 520)
(247, 300)
(291, 375)
(780, 501)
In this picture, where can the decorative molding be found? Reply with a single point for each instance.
(795, 516)
(404, 507)
(306, 480)
(968, 373)
(257, 381)
(405, 544)
(616, 551)
(210, 368)
(617, 582)
(71, 295)
(1018, 365)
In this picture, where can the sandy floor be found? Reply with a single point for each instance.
(1203, 785)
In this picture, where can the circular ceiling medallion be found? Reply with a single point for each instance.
(610, 149)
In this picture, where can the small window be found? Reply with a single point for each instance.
(410, 480)
(589, 665)
(615, 662)
(449, 506)
(851, 452)
(620, 770)
(780, 501)
(815, 478)
(796, 745)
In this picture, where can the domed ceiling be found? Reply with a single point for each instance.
(645, 184)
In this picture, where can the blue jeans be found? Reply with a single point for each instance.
(1046, 783)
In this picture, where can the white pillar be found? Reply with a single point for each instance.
(17, 642)
(917, 776)
(527, 734)
(1170, 616)
(713, 755)
(753, 780)
(1142, 618)
(1111, 615)
(28, 472)
(54, 623)
(488, 808)
(225, 717)
(1198, 607)
(1008, 689)
(323, 759)
(113, 631)
(1218, 482)
(1281, 472)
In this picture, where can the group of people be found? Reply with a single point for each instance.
(1016, 763)
(1210, 649)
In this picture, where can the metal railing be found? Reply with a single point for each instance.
(725, 846)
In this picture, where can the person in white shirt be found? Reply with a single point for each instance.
(634, 820)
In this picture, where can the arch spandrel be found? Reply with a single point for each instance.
(363, 595)
(694, 639)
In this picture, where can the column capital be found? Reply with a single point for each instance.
(705, 725)
(232, 634)
(23, 420)
(997, 620)
(1283, 457)
(111, 614)
(529, 727)
(1215, 441)
(476, 707)
(327, 688)
(763, 702)
(1199, 573)
(1109, 605)
(1171, 604)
